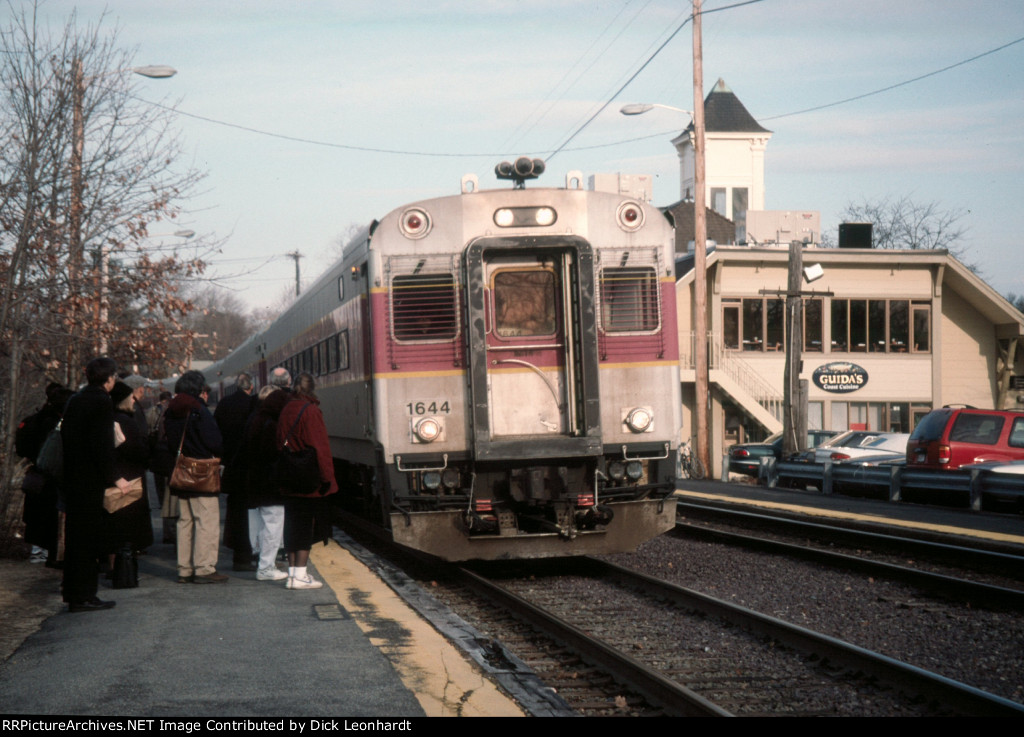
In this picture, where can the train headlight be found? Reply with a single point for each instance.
(427, 429)
(545, 216)
(634, 469)
(414, 223)
(630, 216)
(640, 419)
(432, 480)
(505, 217)
(617, 470)
(525, 217)
(450, 478)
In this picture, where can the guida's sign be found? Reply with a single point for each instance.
(839, 377)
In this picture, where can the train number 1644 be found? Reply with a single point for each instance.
(428, 408)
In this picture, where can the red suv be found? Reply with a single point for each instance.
(953, 437)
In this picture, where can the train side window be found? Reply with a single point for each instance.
(332, 354)
(629, 299)
(524, 303)
(423, 307)
(340, 343)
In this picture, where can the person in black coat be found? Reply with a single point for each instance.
(131, 525)
(87, 437)
(41, 515)
(232, 414)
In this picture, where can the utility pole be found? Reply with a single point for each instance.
(296, 255)
(794, 402)
(700, 298)
(794, 423)
(75, 214)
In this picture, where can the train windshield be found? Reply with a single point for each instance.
(524, 303)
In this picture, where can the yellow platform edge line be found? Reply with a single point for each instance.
(814, 512)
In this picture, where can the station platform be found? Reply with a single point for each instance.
(1000, 530)
(246, 648)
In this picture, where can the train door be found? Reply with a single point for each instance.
(533, 348)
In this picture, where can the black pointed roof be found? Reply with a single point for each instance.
(683, 215)
(724, 113)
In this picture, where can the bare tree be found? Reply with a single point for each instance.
(902, 223)
(219, 323)
(86, 170)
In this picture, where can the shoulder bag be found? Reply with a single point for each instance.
(296, 472)
(194, 475)
(51, 455)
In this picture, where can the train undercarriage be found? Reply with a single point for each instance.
(459, 510)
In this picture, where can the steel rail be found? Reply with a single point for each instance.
(903, 676)
(935, 583)
(960, 553)
(675, 699)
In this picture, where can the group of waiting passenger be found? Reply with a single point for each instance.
(107, 442)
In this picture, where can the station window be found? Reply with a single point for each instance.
(629, 300)
(718, 201)
(760, 324)
(877, 416)
(424, 307)
(880, 326)
(739, 206)
(813, 326)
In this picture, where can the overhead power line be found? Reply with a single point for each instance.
(898, 84)
(564, 146)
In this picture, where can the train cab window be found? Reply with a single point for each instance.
(629, 300)
(423, 307)
(524, 303)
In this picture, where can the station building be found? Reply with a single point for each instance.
(888, 335)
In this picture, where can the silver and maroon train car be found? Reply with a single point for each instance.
(498, 371)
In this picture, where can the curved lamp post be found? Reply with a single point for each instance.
(77, 146)
(700, 318)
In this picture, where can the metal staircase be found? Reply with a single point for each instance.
(736, 378)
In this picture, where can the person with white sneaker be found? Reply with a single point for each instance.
(259, 447)
(306, 518)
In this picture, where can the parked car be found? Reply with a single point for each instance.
(745, 458)
(879, 444)
(1014, 468)
(865, 478)
(848, 439)
(953, 437)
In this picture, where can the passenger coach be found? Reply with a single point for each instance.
(498, 370)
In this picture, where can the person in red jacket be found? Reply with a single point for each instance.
(306, 518)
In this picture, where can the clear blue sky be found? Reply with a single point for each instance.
(459, 85)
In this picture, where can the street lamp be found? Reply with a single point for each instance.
(78, 136)
(639, 108)
(77, 146)
(700, 326)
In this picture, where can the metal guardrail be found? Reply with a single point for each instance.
(975, 483)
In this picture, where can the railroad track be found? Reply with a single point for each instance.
(732, 660)
(989, 577)
(626, 643)
(942, 585)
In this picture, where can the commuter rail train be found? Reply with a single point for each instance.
(498, 370)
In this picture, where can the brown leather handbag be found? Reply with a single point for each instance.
(194, 475)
